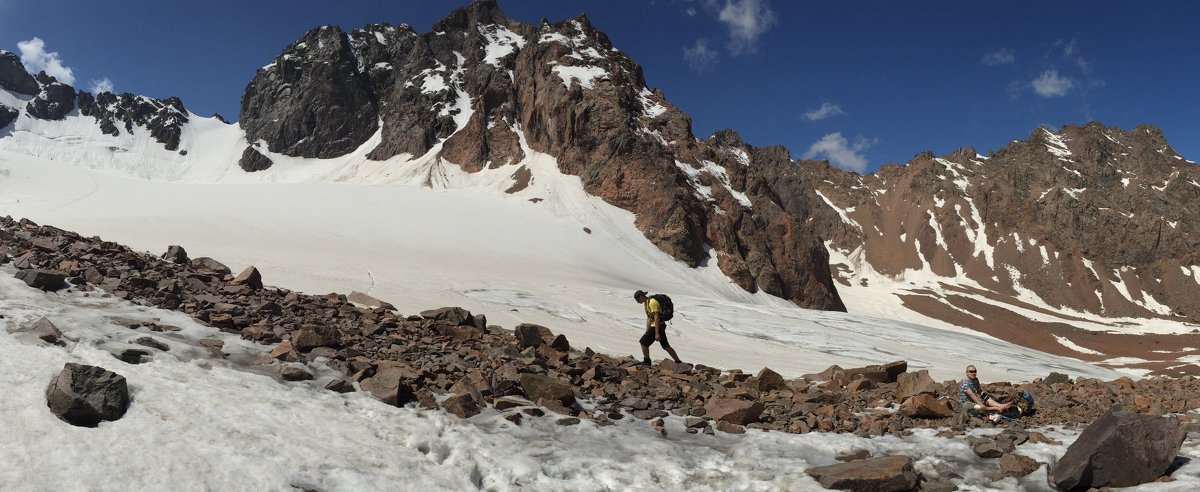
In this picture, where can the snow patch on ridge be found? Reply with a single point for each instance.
(842, 213)
(501, 42)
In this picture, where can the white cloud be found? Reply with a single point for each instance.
(102, 85)
(746, 20)
(1001, 56)
(691, 12)
(840, 153)
(35, 58)
(826, 110)
(699, 56)
(1051, 84)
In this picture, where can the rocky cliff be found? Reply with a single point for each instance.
(479, 84)
(1089, 218)
(53, 101)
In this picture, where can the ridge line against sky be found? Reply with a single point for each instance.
(859, 84)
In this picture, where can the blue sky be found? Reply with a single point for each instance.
(861, 83)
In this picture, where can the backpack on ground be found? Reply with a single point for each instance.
(666, 308)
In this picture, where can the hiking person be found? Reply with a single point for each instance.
(971, 394)
(656, 325)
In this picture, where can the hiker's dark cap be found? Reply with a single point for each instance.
(639, 294)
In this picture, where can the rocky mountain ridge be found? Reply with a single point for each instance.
(52, 100)
(1089, 219)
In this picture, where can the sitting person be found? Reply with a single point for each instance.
(971, 395)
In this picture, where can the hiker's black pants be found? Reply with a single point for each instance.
(648, 338)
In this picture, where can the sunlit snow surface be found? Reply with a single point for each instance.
(200, 423)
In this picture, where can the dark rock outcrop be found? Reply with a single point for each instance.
(1120, 449)
(7, 115)
(252, 160)
(84, 396)
(163, 118)
(13, 76)
(54, 101)
(479, 83)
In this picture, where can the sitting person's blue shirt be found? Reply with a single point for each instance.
(968, 384)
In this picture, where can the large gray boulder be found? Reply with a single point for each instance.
(886, 474)
(84, 396)
(1120, 449)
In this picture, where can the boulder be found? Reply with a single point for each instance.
(1015, 465)
(366, 300)
(461, 405)
(43, 279)
(560, 343)
(252, 160)
(768, 380)
(886, 474)
(152, 343)
(1056, 378)
(45, 330)
(176, 254)
(539, 386)
(207, 264)
(926, 406)
(914, 383)
(986, 447)
(1120, 449)
(895, 369)
(312, 336)
(390, 383)
(250, 277)
(861, 384)
(530, 335)
(84, 396)
(874, 373)
(294, 373)
(739, 412)
(454, 315)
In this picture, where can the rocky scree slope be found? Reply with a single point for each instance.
(1089, 218)
(45, 98)
(479, 85)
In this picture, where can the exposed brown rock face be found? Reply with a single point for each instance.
(478, 83)
(1090, 218)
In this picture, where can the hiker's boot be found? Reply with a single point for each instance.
(645, 363)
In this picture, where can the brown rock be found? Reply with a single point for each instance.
(1120, 449)
(768, 380)
(250, 277)
(914, 383)
(739, 412)
(293, 373)
(858, 385)
(926, 406)
(366, 300)
(727, 427)
(463, 406)
(538, 386)
(313, 336)
(389, 379)
(886, 474)
(1015, 465)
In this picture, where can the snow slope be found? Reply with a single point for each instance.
(423, 234)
